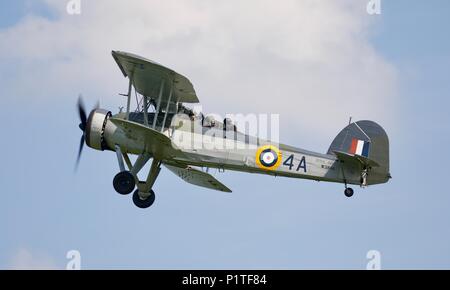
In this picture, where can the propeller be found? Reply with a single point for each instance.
(82, 126)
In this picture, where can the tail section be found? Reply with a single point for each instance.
(367, 144)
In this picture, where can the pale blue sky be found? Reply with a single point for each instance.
(47, 210)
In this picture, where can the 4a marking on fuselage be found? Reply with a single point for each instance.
(291, 162)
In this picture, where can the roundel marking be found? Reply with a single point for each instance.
(268, 157)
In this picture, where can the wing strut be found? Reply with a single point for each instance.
(146, 110)
(167, 108)
(158, 106)
(129, 98)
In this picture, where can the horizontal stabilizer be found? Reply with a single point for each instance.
(198, 177)
(354, 158)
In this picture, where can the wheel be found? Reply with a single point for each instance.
(124, 182)
(348, 192)
(143, 203)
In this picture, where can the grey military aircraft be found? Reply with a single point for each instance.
(358, 155)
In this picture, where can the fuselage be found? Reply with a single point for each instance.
(214, 147)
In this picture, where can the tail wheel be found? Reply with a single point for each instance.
(348, 192)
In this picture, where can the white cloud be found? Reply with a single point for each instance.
(25, 260)
(309, 60)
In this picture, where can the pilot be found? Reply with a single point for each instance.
(209, 121)
(191, 115)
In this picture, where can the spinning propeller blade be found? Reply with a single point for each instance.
(82, 126)
(82, 113)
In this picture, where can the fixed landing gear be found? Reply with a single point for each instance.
(348, 192)
(124, 182)
(141, 202)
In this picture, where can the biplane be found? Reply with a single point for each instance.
(158, 130)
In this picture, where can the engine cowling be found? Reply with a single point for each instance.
(95, 129)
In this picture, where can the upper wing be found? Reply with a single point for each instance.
(147, 77)
(197, 177)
